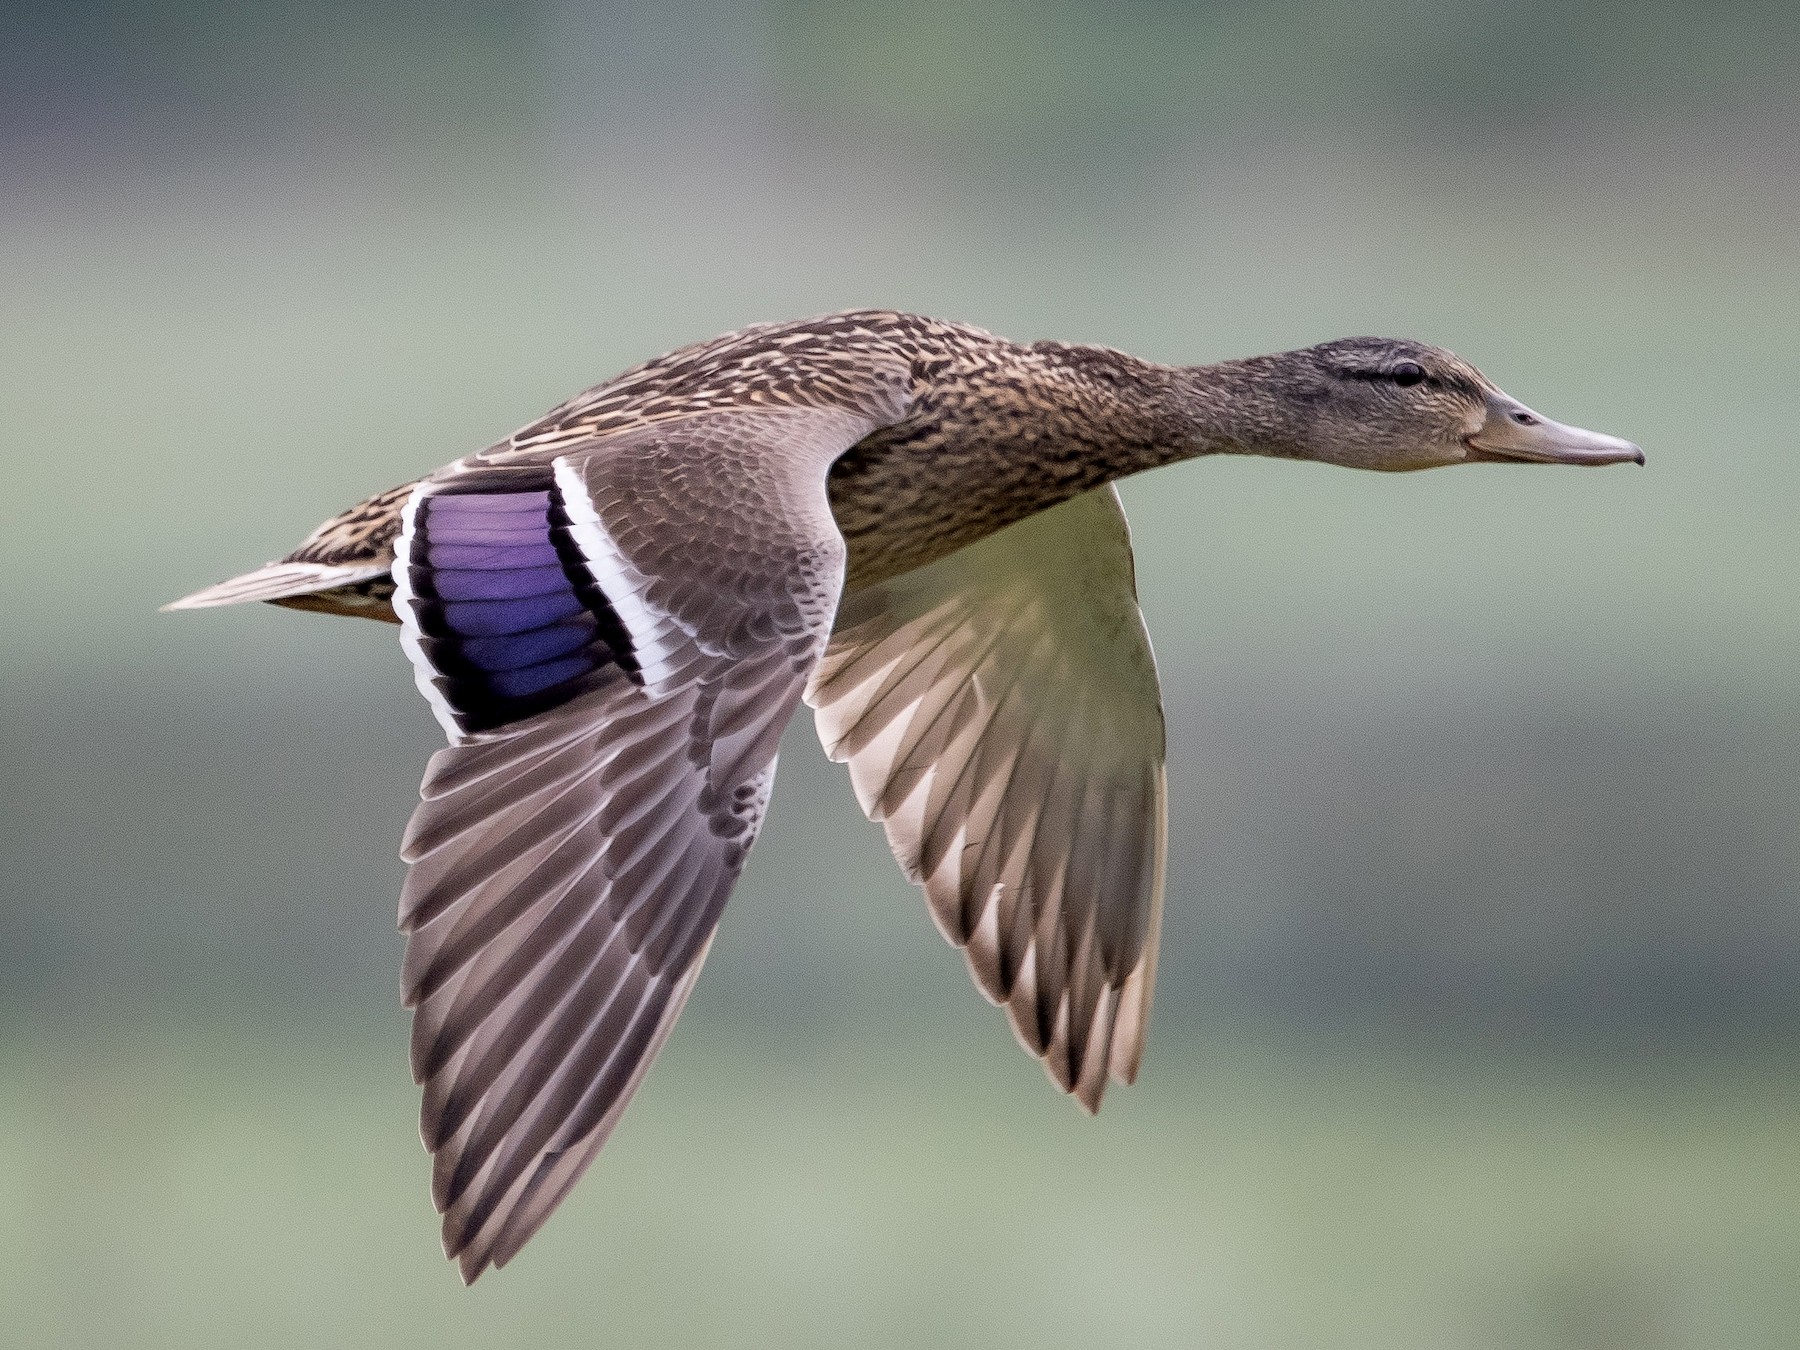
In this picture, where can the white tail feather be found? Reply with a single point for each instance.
(279, 581)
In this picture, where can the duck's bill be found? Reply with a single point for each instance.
(1514, 434)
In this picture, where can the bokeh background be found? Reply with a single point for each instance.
(1478, 1015)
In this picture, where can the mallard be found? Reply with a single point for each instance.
(911, 525)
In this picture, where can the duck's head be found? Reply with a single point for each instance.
(1394, 404)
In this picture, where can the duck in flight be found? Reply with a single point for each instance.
(911, 525)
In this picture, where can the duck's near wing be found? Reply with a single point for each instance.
(614, 638)
(1000, 714)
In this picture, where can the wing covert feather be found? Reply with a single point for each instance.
(614, 640)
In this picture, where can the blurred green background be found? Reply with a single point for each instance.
(1478, 1010)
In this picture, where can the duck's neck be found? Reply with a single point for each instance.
(1135, 415)
(1002, 441)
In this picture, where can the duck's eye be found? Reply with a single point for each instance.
(1407, 374)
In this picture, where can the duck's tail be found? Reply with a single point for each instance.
(343, 567)
(362, 589)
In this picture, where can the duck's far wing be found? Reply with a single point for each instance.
(614, 640)
(1000, 713)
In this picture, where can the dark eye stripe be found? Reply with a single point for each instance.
(1451, 382)
(1390, 376)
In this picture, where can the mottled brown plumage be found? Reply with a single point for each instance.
(909, 523)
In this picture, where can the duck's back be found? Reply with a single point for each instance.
(991, 431)
(342, 567)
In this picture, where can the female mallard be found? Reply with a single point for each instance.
(908, 523)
